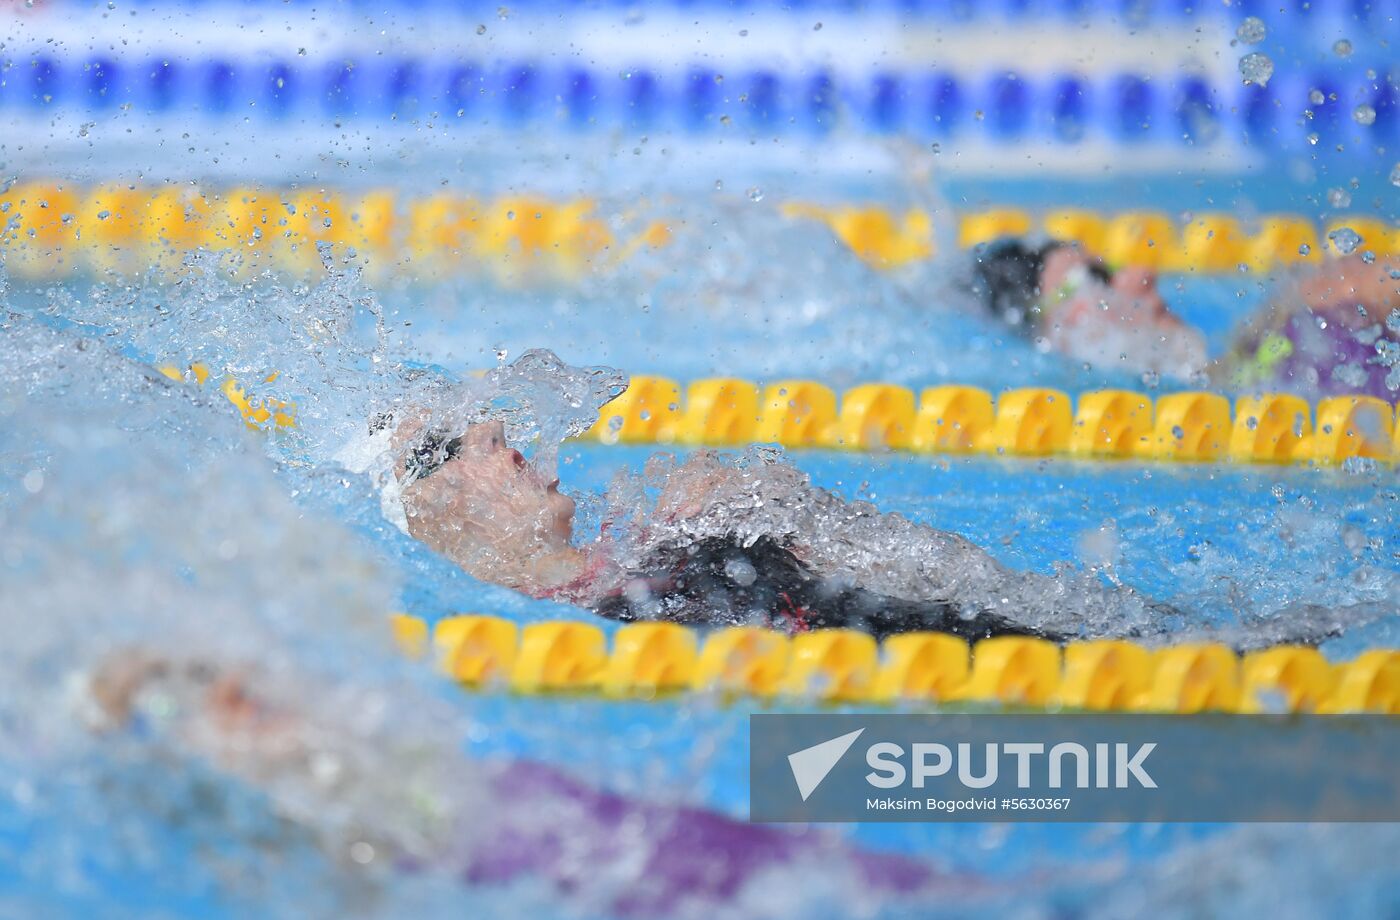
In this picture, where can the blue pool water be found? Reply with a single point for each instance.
(139, 515)
(1225, 542)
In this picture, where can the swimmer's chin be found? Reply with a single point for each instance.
(563, 507)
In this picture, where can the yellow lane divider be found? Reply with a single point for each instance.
(1031, 422)
(50, 228)
(648, 660)
(1028, 422)
(1206, 243)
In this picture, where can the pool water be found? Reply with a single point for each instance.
(140, 514)
(1227, 541)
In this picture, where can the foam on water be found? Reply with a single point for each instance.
(1243, 595)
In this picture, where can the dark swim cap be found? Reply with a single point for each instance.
(1006, 279)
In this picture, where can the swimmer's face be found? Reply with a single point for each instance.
(1131, 293)
(487, 499)
(1114, 318)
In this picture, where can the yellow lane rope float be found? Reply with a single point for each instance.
(650, 660)
(1028, 422)
(53, 228)
(950, 419)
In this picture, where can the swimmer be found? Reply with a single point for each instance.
(1330, 331)
(417, 807)
(723, 539)
(1326, 332)
(1068, 301)
(732, 541)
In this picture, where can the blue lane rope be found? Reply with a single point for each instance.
(1000, 106)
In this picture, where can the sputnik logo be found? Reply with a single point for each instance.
(811, 765)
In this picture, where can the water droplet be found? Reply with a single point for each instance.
(1395, 175)
(481, 29)
(740, 571)
(1341, 48)
(1251, 31)
(1256, 68)
(1178, 432)
(103, 215)
(510, 215)
(1316, 97)
(1345, 239)
(1312, 138)
(719, 185)
(817, 27)
(1304, 249)
(938, 148)
(1364, 114)
(755, 194)
(1338, 198)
